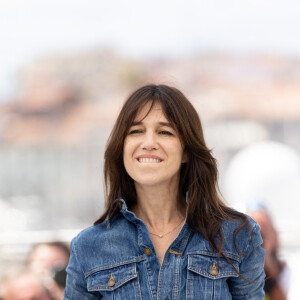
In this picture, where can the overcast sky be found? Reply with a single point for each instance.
(137, 28)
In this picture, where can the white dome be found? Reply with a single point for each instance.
(267, 172)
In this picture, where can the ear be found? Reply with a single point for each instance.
(185, 158)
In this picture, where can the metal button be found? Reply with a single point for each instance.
(147, 251)
(111, 282)
(213, 271)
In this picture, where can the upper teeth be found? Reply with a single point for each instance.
(149, 160)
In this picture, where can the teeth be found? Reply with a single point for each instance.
(149, 160)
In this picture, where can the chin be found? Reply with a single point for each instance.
(154, 182)
(147, 183)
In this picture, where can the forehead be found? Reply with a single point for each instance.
(149, 110)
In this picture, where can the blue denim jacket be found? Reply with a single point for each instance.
(117, 261)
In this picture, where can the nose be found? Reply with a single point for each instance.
(149, 142)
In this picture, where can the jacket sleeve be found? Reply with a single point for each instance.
(76, 285)
(250, 285)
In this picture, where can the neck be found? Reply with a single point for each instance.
(159, 207)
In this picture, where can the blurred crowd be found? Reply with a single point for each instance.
(42, 278)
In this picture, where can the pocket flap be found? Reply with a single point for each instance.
(210, 267)
(112, 278)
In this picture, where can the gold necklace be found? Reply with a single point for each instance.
(162, 235)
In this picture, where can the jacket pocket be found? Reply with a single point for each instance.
(207, 276)
(118, 281)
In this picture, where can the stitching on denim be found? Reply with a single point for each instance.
(137, 284)
(213, 289)
(185, 239)
(205, 273)
(75, 253)
(115, 265)
(189, 281)
(117, 285)
(214, 254)
(140, 238)
(161, 272)
(149, 281)
(176, 277)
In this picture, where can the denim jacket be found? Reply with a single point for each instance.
(117, 260)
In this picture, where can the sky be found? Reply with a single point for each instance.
(30, 29)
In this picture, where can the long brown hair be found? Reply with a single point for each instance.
(198, 176)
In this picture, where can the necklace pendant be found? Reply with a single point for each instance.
(160, 235)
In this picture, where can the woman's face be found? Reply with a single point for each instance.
(153, 153)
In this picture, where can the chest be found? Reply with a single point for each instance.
(187, 277)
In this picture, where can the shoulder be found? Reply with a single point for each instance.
(100, 244)
(96, 235)
(245, 225)
(242, 235)
(238, 237)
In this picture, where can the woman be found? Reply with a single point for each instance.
(165, 233)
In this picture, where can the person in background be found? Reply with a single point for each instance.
(51, 259)
(276, 270)
(49, 256)
(23, 284)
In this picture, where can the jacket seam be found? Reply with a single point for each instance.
(115, 265)
(214, 254)
(75, 252)
(250, 241)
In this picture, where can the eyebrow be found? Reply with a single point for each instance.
(160, 123)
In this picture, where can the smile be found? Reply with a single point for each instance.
(148, 160)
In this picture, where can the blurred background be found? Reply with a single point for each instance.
(67, 66)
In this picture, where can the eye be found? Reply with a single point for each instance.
(135, 131)
(165, 132)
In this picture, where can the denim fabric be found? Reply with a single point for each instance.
(109, 261)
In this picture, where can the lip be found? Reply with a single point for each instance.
(148, 156)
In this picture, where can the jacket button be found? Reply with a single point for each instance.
(213, 271)
(111, 282)
(147, 251)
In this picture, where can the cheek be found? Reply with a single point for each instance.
(127, 154)
(127, 149)
(125, 146)
(177, 151)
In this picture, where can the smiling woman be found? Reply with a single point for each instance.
(165, 233)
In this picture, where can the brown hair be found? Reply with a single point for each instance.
(198, 176)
